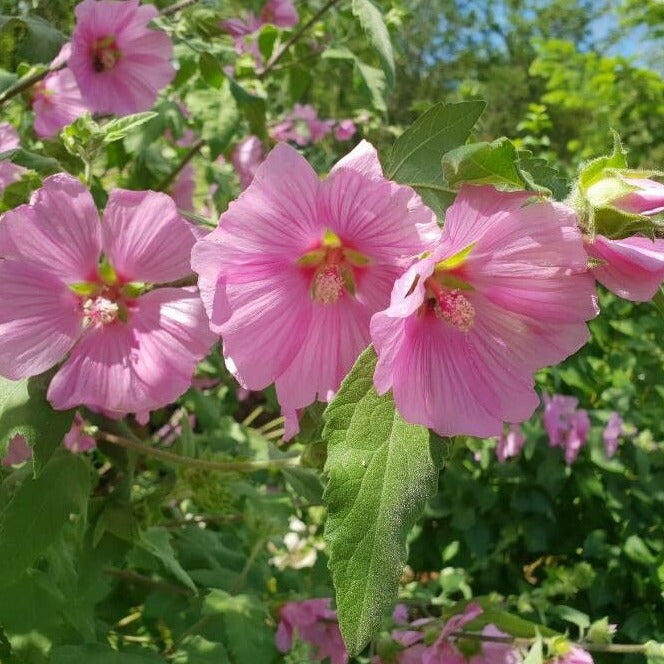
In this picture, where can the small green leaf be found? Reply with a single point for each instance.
(24, 410)
(252, 106)
(117, 129)
(210, 69)
(157, 541)
(38, 510)
(381, 473)
(32, 160)
(374, 26)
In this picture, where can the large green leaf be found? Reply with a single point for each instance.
(157, 541)
(32, 160)
(381, 473)
(374, 26)
(24, 410)
(416, 155)
(38, 510)
(28, 39)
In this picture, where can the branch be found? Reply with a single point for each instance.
(165, 455)
(192, 152)
(296, 36)
(133, 577)
(177, 7)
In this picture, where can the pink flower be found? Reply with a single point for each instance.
(647, 199)
(119, 63)
(314, 622)
(575, 655)
(296, 268)
(632, 268)
(281, 13)
(443, 650)
(505, 293)
(18, 451)
(247, 157)
(129, 347)
(183, 189)
(345, 130)
(76, 440)
(565, 425)
(510, 443)
(302, 126)
(494, 652)
(9, 172)
(57, 100)
(612, 433)
(400, 613)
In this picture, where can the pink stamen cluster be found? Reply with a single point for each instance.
(105, 54)
(99, 311)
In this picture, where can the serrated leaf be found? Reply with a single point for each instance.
(117, 129)
(593, 171)
(372, 23)
(540, 176)
(24, 410)
(381, 473)
(416, 155)
(38, 510)
(483, 163)
(157, 541)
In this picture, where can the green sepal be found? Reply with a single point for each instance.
(84, 288)
(106, 272)
(311, 258)
(134, 289)
(457, 260)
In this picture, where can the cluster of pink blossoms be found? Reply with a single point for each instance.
(302, 126)
(115, 64)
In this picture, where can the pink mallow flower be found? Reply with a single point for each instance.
(247, 157)
(281, 13)
(77, 288)
(302, 126)
(443, 650)
(119, 63)
(345, 130)
(57, 100)
(510, 443)
(76, 439)
(182, 191)
(632, 268)
(575, 655)
(18, 451)
(612, 433)
(566, 426)
(296, 268)
(9, 140)
(315, 623)
(495, 652)
(505, 293)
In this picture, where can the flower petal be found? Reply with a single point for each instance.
(140, 365)
(633, 268)
(145, 238)
(58, 231)
(40, 319)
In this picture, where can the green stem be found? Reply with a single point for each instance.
(177, 7)
(165, 455)
(191, 153)
(242, 579)
(296, 36)
(133, 577)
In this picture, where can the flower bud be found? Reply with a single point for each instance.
(629, 194)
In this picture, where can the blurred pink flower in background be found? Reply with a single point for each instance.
(127, 348)
(120, 64)
(302, 126)
(56, 100)
(247, 156)
(9, 140)
(182, 191)
(296, 267)
(76, 440)
(18, 451)
(345, 130)
(566, 426)
(575, 655)
(494, 652)
(503, 294)
(612, 433)
(314, 622)
(510, 443)
(632, 268)
(281, 13)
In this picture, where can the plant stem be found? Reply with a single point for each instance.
(133, 577)
(192, 152)
(177, 7)
(242, 579)
(296, 36)
(165, 455)
(617, 648)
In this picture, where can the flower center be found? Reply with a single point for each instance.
(99, 311)
(333, 268)
(455, 309)
(105, 54)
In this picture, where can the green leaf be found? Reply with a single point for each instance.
(593, 171)
(242, 615)
(416, 155)
(38, 510)
(253, 107)
(374, 26)
(100, 653)
(381, 473)
(117, 129)
(658, 300)
(484, 163)
(28, 39)
(32, 160)
(198, 650)
(157, 541)
(306, 483)
(24, 410)
(211, 70)
(535, 654)
(637, 551)
(217, 114)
